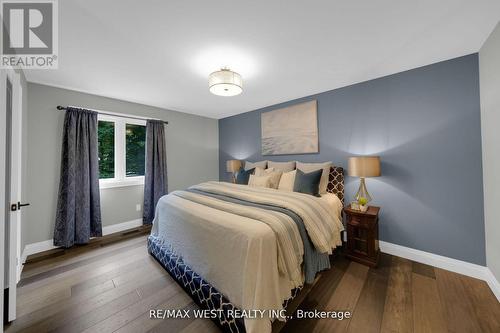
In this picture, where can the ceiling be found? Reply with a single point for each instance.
(160, 53)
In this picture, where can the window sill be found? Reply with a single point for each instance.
(123, 183)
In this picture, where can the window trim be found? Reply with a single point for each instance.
(120, 179)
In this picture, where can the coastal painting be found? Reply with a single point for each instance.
(290, 130)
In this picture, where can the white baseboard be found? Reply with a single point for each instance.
(37, 248)
(33, 248)
(449, 264)
(49, 243)
(111, 229)
(493, 283)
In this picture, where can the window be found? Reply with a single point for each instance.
(122, 151)
(135, 136)
(106, 146)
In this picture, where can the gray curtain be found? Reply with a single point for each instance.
(155, 182)
(78, 215)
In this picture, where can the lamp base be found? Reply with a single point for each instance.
(362, 191)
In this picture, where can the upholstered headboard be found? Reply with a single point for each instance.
(336, 182)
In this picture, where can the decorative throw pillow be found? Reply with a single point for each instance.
(260, 171)
(275, 176)
(259, 181)
(287, 181)
(308, 183)
(309, 167)
(282, 166)
(252, 165)
(242, 176)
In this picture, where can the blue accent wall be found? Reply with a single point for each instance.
(425, 125)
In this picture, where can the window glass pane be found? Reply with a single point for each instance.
(135, 142)
(106, 142)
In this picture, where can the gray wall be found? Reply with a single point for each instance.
(489, 64)
(192, 155)
(425, 125)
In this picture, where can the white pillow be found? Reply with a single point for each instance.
(274, 176)
(259, 181)
(287, 181)
(251, 165)
(260, 171)
(310, 167)
(283, 166)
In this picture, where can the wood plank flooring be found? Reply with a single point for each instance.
(110, 286)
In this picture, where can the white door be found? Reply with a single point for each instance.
(3, 206)
(12, 91)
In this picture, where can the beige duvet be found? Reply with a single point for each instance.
(238, 251)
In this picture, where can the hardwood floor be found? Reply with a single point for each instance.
(110, 286)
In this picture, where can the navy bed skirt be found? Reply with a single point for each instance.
(206, 296)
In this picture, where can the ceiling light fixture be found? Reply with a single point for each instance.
(225, 83)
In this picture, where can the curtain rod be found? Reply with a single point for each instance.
(111, 114)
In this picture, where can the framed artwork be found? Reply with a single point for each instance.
(290, 130)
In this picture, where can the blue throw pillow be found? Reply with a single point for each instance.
(242, 176)
(307, 183)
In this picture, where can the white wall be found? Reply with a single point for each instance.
(192, 156)
(489, 69)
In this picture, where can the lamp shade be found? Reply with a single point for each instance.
(233, 165)
(364, 166)
(225, 83)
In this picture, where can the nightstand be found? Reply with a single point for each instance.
(362, 235)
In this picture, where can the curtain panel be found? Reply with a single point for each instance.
(78, 215)
(155, 180)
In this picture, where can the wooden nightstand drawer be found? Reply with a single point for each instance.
(356, 219)
(362, 221)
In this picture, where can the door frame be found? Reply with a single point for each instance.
(3, 126)
(15, 151)
(16, 159)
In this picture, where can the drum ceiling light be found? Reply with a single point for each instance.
(225, 83)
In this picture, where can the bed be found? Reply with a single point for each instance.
(236, 249)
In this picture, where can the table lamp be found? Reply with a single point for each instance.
(233, 166)
(362, 167)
